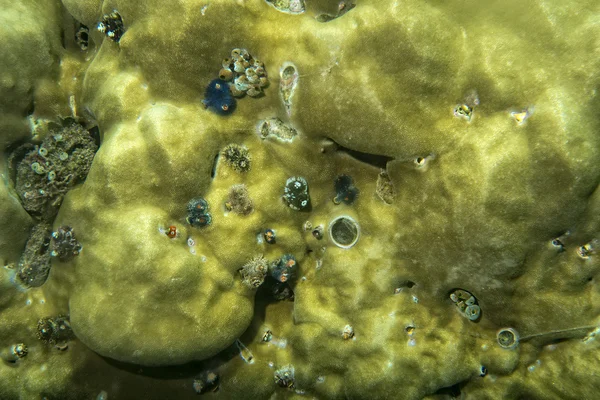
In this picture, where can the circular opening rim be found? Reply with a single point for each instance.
(330, 230)
(515, 335)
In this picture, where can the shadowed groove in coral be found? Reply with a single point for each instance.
(471, 135)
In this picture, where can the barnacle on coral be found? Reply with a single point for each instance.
(385, 188)
(14, 353)
(508, 338)
(288, 6)
(466, 303)
(347, 332)
(343, 7)
(276, 128)
(82, 37)
(248, 75)
(288, 83)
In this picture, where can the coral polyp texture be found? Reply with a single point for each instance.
(467, 267)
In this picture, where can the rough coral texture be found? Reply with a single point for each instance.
(461, 204)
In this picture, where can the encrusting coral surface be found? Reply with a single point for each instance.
(467, 267)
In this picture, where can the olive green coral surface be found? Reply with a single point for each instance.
(471, 132)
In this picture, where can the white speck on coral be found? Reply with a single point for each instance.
(281, 343)
(319, 264)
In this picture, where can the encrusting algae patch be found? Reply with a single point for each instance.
(259, 199)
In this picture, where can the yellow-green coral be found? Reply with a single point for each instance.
(446, 202)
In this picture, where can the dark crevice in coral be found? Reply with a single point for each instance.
(213, 171)
(407, 284)
(454, 391)
(376, 160)
(183, 371)
(95, 134)
(30, 107)
(62, 39)
(17, 152)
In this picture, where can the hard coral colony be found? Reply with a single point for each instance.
(265, 199)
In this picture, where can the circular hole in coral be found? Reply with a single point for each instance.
(473, 312)
(507, 338)
(344, 232)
